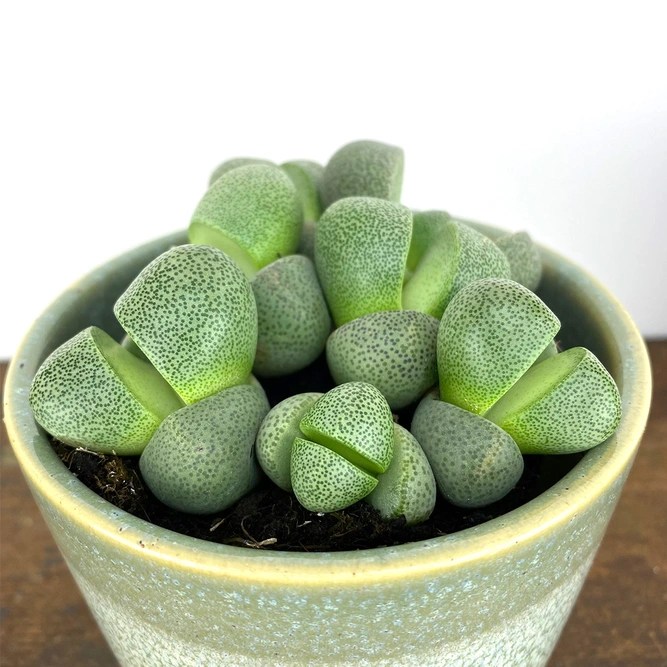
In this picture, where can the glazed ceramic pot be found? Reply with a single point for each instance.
(496, 594)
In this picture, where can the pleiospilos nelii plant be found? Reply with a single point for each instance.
(429, 313)
(253, 213)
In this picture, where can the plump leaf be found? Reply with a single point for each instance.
(408, 487)
(568, 403)
(292, 316)
(452, 255)
(193, 314)
(235, 163)
(524, 258)
(201, 458)
(325, 481)
(355, 421)
(93, 393)
(394, 350)
(306, 176)
(475, 462)
(490, 334)
(276, 437)
(252, 213)
(361, 247)
(363, 169)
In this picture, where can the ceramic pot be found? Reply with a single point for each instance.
(496, 594)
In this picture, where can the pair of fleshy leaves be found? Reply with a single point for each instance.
(253, 209)
(333, 450)
(375, 255)
(192, 314)
(504, 390)
(489, 339)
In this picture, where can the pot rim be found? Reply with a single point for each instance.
(599, 469)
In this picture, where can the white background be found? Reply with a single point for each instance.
(546, 116)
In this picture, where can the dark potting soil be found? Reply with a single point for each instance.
(270, 518)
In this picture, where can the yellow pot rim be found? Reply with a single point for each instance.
(598, 470)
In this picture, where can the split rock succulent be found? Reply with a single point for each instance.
(348, 440)
(252, 213)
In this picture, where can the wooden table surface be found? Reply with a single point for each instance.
(620, 619)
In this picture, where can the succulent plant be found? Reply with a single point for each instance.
(408, 487)
(252, 213)
(445, 255)
(524, 258)
(394, 350)
(292, 316)
(235, 163)
(276, 437)
(475, 462)
(490, 335)
(567, 403)
(363, 169)
(198, 319)
(306, 176)
(93, 393)
(361, 247)
(201, 458)
(348, 440)
(193, 314)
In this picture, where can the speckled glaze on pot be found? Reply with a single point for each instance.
(496, 594)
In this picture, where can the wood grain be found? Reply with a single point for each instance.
(620, 619)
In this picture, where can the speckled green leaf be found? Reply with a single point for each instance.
(354, 420)
(201, 459)
(408, 487)
(276, 437)
(306, 176)
(252, 213)
(363, 169)
(524, 258)
(394, 350)
(92, 393)
(361, 247)
(454, 255)
(475, 462)
(193, 314)
(132, 347)
(307, 241)
(324, 481)
(235, 163)
(292, 316)
(490, 334)
(568, 403)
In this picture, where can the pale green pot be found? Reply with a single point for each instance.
(496, 594)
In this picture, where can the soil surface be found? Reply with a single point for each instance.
(270, 518)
